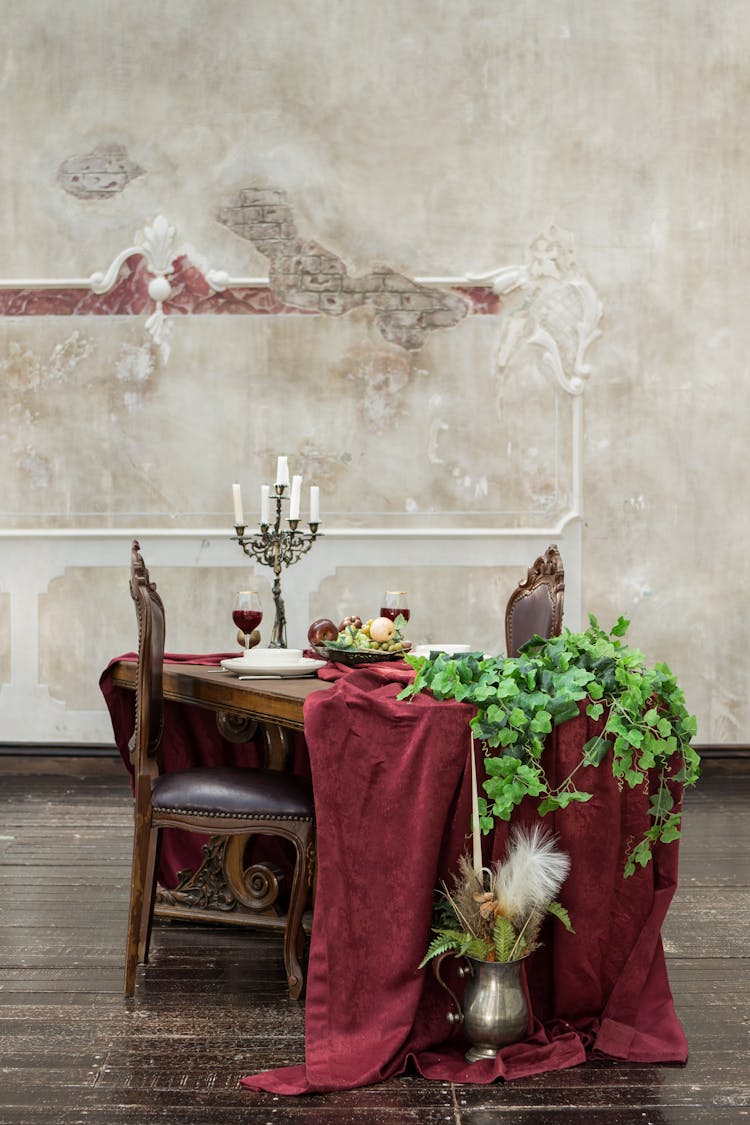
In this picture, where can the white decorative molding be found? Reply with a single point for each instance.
(31, 714)
(156, 243)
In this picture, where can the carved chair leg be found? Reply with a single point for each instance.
(135, 911)
(294, 939)
(149, 894)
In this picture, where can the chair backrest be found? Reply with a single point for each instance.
(536, 605)
(149, 610)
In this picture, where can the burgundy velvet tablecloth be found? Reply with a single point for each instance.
(393, 800)
(392, 792)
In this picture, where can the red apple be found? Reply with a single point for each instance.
(321, 631)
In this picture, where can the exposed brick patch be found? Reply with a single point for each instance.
(99, 174)
(306, 275)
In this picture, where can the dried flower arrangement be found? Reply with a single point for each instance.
(495, 914)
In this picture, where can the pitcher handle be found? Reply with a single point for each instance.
(457, 1016)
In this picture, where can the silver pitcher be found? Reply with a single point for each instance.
(494, 1012)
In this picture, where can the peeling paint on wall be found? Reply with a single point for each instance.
(26, 406)
(379, 378)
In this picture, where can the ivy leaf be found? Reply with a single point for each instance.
(689, 726)
(531, 780)
(633, 778)
(620, 628)
(661, 803)
(671, 829)
(562, 709)
(562, 800)
(594, 710)
(647, 759)
(634, 736)
(507, 737)
(641, 853)
(596, 750)
(517, 717)
(542, 722)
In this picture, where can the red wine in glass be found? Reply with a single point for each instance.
(395, 602)
(246, 620)
(247, 613)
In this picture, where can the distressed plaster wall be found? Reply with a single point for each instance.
(408, 138)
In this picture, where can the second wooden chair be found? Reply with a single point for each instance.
(536, 604)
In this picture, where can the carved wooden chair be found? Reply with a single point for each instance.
(536, 605)
(229, 801)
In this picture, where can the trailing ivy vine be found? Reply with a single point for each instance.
(519, 699)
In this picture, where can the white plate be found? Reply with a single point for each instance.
(273, 670)
(425, 650)
(264, 656)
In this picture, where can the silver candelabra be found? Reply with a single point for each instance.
(277, 547)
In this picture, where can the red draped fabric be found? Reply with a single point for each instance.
(393, 797)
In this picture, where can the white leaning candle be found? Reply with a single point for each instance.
(295, 497)
(314, 504)
(282, 471)
(237, 498)
(265, 492)
(476, 840)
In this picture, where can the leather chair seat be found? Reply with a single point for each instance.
(251, 793)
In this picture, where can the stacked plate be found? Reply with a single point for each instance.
(444, 646)
(272, 663)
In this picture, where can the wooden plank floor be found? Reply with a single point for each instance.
(212, 1005)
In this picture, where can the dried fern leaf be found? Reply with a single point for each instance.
(560, 912)
(451, 940)
(503, 938)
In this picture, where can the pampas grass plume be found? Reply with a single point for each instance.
(531, 875)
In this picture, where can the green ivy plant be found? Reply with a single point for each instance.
(519, 699)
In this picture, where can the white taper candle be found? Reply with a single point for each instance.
(237, 498)
(282, 470)
(294, 497)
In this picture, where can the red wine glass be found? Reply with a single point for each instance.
(247, 613)
(393, 603)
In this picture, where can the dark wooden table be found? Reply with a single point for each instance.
(244, 709)
(238, 704)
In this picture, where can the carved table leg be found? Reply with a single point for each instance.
(236, 728)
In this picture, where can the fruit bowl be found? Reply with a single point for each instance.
(355, 656)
